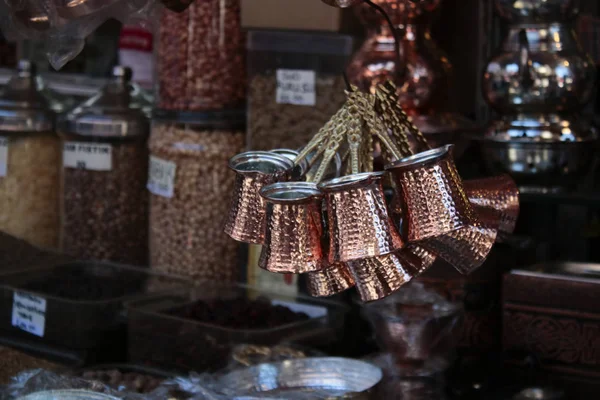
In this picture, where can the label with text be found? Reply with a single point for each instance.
(29, 313)
(161, 177)
(89, 156)
(3, 156)
(295, 86)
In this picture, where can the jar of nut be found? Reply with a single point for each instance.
(29, 160)
(201, 56)
(104, 174)
(295, 85)
(190, 185)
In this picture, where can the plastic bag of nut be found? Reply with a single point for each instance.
(295, 85)
(64, 25)
(201, 57)
(190, 185)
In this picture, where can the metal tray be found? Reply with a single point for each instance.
(315, 378)
(68, 395)
(572, 271)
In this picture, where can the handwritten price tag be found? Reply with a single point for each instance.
(295, 86)
(29, 313)
(161, 177)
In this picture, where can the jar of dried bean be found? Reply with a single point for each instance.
(104, 174)
(29, 160)
(190, 185)
(295, 85)
(201, 57)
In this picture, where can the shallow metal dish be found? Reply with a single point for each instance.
(67, 395)
(318, 378)
(540, 150)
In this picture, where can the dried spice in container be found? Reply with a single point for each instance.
(29, 160)
(241, 313)
(105, 169)
(201, 54)
(13, 362)
(190, 185)
(126, 378)
(295, 85)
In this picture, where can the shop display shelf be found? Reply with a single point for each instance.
(78, 305)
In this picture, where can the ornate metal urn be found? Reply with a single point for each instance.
(417, 66)
(538, 83)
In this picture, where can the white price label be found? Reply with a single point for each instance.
(3, 156)
(161, 177)
(295, 86)
(90, 156)
(29, 313)
(311, 311)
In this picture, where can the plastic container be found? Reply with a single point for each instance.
(29, 160)
(125, 377)
(162, 334)
(105, 169)
(190, 185)
(200, 57)
(295, 85)
(418, 327)
(76, 305)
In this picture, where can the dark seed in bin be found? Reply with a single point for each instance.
(241, 313)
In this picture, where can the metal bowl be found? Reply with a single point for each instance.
(540, 150)
(317, 378)
(537, 10)
(67, 395)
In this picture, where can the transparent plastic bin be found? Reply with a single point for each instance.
(160, 336)
(75, 320)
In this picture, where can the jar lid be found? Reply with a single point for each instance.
(25, 106)
(223, 119)
(113, 112)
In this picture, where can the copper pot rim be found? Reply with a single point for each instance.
(279, 163)
(421, 159)
(354, 180)
(304, 192)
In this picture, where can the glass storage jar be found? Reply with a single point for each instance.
(190, 185)
(104, 174)
(295, 85)
(29, 160)
(201, 63)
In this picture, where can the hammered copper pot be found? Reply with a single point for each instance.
(247, 219)
(439, 215)
(432, 193)
(498, 193)
(419, 259)
(329, 281)
(359, 222)
(294, 228)
(379, 277)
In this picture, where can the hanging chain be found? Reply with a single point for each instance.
(352, 130)
(390, 91)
